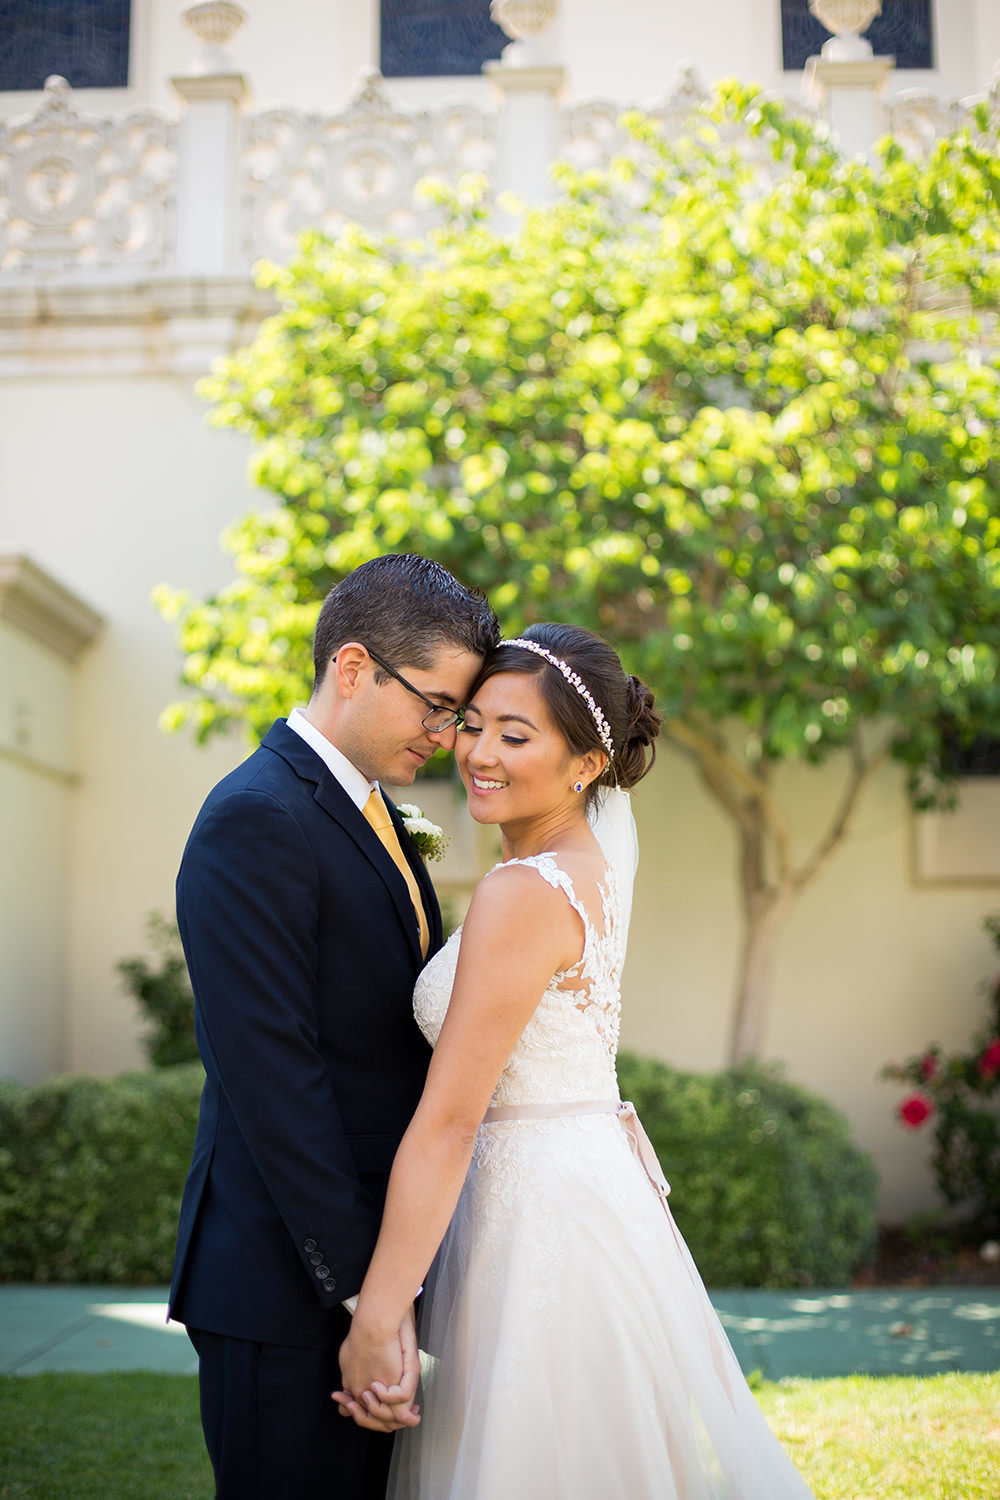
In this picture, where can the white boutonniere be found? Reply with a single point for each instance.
(431, 841)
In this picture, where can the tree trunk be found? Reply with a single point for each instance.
(764, 906)
(770, 876)
(762, 922)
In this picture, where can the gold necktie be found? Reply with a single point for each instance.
(376, 813)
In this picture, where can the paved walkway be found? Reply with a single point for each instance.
(900, 1332)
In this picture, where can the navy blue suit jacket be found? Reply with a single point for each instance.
(303, 950)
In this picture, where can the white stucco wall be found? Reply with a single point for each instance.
(870, 968)
(36, 792)
(118, 486)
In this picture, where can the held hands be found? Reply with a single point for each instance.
(380, 1377)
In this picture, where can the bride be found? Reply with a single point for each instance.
(571, 1350)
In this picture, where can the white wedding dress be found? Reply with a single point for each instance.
(571, 1351)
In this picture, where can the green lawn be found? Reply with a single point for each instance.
(137, 1437)
(102, 1437)
(890, 1437)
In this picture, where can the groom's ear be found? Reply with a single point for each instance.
(349, 664)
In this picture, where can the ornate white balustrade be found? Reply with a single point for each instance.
(82, 193)
(592, 134)
(86, 199)
(305, 170)
(919, 118)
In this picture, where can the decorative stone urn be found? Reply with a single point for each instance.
(214, 23)
(847, 19)
(521, 19)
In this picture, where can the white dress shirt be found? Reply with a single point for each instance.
(357, 787)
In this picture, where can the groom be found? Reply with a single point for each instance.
(306, 915)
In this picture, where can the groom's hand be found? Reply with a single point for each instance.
(380, 1378)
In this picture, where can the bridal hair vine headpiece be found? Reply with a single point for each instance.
(575, 681)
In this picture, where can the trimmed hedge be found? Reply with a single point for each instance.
(91, 1174)
(767, 1186)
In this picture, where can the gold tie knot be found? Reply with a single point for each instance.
(376, 812)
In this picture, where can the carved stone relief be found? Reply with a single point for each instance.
(307, 170)
(592, 133)
(919, 118)
(80, 192)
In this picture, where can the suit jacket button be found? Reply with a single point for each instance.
(330, 1285)
(322, 1271)
(309, 1245)
(316, 1258)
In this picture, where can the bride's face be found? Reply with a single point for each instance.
(512, 757)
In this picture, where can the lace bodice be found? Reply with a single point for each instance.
(567, 1050)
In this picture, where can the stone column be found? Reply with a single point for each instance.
(529, 81)
(208, 168)
(847, 81)
(851, 95)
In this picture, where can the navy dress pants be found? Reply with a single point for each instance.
(272, 1431)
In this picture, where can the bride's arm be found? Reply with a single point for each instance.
(519, 932)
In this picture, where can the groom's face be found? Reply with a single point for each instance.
(388, 741)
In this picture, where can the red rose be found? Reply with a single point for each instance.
(989, 1063)
(928, 1065)
(915, 1110)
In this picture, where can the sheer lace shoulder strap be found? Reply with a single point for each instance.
(546, 866)
(556, 876)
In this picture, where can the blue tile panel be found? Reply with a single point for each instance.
(84, 41)
(902, 31)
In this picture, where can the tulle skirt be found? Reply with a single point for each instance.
(571, 1350)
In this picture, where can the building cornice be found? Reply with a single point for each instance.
(153, 326)
(33, 601)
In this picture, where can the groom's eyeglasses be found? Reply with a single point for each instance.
(438, 718)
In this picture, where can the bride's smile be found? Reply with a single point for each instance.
(517, 767)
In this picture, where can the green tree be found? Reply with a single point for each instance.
(732, 402)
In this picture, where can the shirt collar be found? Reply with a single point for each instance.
(357, 786)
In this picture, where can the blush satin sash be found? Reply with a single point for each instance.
(642, 1146)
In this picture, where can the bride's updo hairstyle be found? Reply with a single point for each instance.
(625, 703)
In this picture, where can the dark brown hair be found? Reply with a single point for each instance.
(403, 607)
(626, 703)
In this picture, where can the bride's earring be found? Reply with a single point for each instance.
(578, 786)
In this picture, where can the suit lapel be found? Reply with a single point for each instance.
(335, 802)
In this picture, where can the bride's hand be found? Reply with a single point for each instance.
(380, 1377)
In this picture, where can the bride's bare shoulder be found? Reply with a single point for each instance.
(515, 913)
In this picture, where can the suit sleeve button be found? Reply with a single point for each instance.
(330, 1285)
(316, 1258)
(322, 1271)
(309, 1245)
